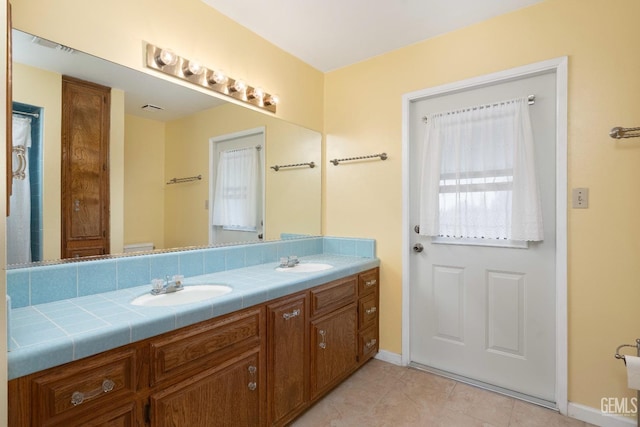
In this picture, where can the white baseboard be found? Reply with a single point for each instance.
(387, 356)
(596, 417)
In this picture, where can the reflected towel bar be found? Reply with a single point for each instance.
(620, 132)
(181, 180)
(277, 168)
(383, 156)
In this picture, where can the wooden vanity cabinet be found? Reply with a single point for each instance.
(368, 314)
(212, 373)
(263, 365)
(333, 331)
(287, 358)
(99, 391)
(228, 394)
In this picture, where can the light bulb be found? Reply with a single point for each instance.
(256, 93)
(218, 78)
(166, 57)
(193, 68)
(238, 86)
(272, 100)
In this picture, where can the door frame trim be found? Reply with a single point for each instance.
(560, 67)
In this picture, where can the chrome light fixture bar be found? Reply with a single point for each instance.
(166, 61)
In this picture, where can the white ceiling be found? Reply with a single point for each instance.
(330, 34)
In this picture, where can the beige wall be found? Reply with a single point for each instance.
(366, 200)
(293, 196)
(144, 182)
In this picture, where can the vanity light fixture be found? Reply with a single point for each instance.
(271, 100)
(166, 61)
(256, 93)
(238, 86)
(218, 78)
(166, 57)
(193, 68)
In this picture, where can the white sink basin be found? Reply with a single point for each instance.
(190, 294)
(305, 267)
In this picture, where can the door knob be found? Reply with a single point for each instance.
(418, 247)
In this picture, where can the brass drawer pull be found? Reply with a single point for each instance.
(371, 310)
(294, 313)
(371, 343)
(79, 397)
(370, 283)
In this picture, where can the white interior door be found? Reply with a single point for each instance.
(253, 138)
(480, 312)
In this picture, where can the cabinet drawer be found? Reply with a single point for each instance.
(367, 311)
(333, 296)
(196, 347)
(74, 389)
(368, 343)
(368, 282)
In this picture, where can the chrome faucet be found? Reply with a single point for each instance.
(167, 286)
(290, 261)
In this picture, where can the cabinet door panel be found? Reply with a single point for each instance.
(288, 357)
(229, 394)
(333, 348)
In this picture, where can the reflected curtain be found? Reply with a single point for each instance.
(235, 204)
(19, 220)
(478, 177)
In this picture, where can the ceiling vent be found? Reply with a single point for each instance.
(51, 45)
(151, 107)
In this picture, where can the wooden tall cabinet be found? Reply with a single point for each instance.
(86, 110)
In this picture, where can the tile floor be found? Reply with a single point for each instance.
(383, 394)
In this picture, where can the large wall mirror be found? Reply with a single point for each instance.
(151, 150)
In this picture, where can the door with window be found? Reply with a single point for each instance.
(237, 187)
(482, 303)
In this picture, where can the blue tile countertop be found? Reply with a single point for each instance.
(54, 333)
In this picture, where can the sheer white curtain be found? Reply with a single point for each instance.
(235, 203)
(478, 174)
(19, 220)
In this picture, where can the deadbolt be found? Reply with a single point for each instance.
(418, 247)
(417, 229)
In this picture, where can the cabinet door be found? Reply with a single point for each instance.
(229, 394)
(287, 359)
(333, 348)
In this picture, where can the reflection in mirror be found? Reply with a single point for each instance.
(148, 148)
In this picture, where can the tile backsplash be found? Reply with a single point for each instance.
(48, 283)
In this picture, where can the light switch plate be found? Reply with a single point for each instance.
(580, 198)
